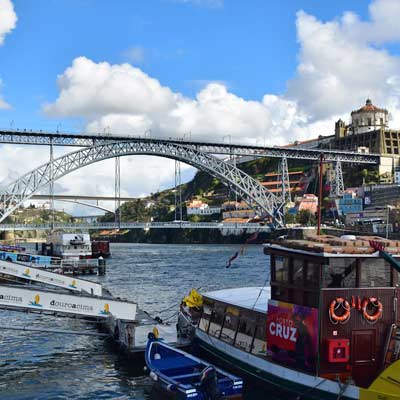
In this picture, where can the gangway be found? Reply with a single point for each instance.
(39, 300)
(49, 278)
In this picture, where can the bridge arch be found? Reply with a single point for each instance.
(253, 193)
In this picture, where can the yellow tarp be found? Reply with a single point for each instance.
(194, 299)
(386, 386)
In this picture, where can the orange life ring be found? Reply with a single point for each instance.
(378, 309)
(339, 301)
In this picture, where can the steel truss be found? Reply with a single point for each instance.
(336, 181)
(253, 193)
(86, 140)
(283, 181)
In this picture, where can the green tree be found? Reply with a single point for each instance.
(306, 218)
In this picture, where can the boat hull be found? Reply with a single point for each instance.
(283, 379)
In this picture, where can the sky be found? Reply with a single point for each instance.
(247, 71)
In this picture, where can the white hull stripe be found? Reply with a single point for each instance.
(279, 371)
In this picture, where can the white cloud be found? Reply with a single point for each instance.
(3, 103)
(341, 62)
(8, 19)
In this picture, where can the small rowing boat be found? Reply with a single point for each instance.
(182, 376)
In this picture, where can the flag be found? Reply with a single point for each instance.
(253, 237)
(231, 259)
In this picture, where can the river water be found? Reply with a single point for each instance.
(50, 366)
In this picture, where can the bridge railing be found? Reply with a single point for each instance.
(137, 225)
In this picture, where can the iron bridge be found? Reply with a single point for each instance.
(265, 203)
(88, 140)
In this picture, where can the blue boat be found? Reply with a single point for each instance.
(179, 375)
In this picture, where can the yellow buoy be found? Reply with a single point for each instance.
(155, 332)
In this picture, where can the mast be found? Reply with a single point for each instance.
(321, 159)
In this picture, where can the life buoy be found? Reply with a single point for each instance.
(339, 301)
(378, 309)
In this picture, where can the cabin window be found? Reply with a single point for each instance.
(229, 328)
(205, 317)
(281, 269)
(260, 338)
(217, 318)
(245, 333)
(341, 272)
(298, 271)
(312, 274)
(375, 272)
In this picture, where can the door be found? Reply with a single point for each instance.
(363, 356)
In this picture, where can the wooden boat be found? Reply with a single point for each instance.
(181, 376)
(326, 327)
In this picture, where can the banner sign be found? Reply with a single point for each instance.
(50, 278)
(24, 298)
(292, 334)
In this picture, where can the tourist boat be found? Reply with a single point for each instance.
(67, 245)
(182, 376)
(326, 327)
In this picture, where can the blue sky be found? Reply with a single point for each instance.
(258, 72)
(249, 45)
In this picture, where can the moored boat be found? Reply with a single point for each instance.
(180, 375)
(326, 327)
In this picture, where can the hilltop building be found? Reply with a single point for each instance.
(349, 203)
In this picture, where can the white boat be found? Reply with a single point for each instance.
(327, 327)
(68, 245)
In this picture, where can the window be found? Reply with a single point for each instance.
(205, 317)
(369, 121)
(298, 269)
(312, 274)
(375, 272)
(216, 320)
(245, 333)
(341, 272)
(281, 269)
(229, 328)
(260, 338)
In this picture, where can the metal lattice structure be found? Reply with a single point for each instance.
(251, 191)
(229, 149)
(117, 190)
(336, 181)
(283, 181)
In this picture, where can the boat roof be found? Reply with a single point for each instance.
(333, 246)
(252, 298)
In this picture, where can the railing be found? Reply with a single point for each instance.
(138, 225)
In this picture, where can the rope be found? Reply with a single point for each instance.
(259, 294)
(310, 390)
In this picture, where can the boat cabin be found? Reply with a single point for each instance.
(340, 298)
(331, 309)
(238, 317)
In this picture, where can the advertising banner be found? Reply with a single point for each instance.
(292, 334)
(50, 278)
(70, 304)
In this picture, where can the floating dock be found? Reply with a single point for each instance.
(36, 290)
